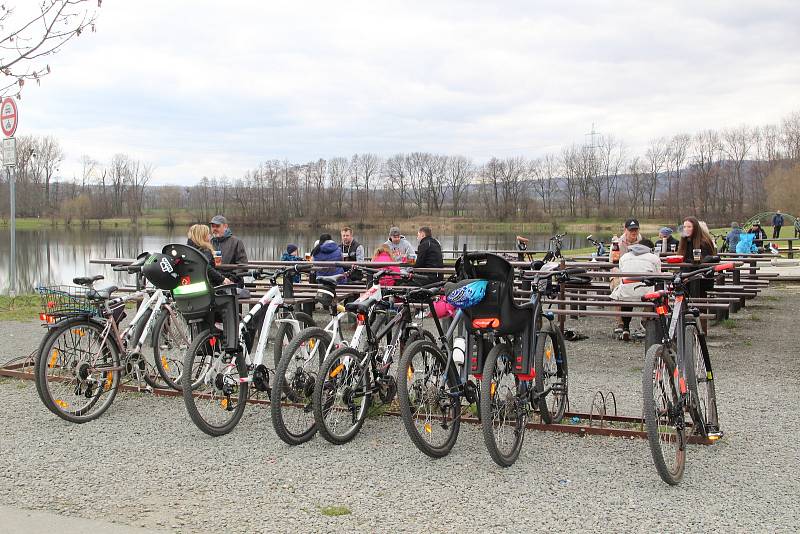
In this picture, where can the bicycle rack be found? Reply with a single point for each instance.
(22, 368)
(599, 407)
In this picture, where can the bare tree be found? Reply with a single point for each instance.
(736, 145)
(458, 175)
(28, 36)
(655, 159)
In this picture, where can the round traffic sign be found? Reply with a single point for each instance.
(8, 116)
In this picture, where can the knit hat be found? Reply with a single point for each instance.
(291, 248)
(665, 230)
(394, 230)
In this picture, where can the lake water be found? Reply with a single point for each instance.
(56, 255)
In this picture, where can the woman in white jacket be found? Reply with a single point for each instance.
(638, 260)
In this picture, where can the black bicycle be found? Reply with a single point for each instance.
(677, 376)
(526, 369)
(351, 376)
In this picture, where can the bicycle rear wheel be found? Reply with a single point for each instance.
(429, 403)
(663, 414)
(502, 407)
(550, 363)
(700, 381)
(293, 389)
(218, 402)
(341, 396)
(77, 371)
(172, 336)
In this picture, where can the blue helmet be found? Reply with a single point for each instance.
(467, 295)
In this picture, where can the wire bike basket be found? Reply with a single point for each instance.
(62, 301)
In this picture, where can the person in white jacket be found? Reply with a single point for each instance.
(639, 259)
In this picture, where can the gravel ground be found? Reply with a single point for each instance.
(145, 464)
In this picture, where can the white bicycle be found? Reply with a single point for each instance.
(224, 376)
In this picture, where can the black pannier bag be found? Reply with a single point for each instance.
(497, 311)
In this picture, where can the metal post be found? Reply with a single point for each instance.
(12, 289)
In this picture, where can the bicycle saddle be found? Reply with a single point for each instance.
(358, 307)
(102, 294)
(328, 280)
(86, 280)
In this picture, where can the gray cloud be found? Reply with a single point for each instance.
(203, 90)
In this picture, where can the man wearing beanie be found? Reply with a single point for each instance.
(399, 247)
(667, 240)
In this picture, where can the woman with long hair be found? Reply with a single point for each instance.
(200, 238)
(695, 236)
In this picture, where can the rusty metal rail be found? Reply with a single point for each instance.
(586, 422)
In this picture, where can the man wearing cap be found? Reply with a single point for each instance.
(399, 247)
(630, 235)
(223, 240)
(666, 239)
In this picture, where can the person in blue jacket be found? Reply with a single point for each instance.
(327, 249)
(733, 236)
(291, 255)
(777, 224)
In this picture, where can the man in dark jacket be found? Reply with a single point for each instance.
(760, 235)
(223, 240)
(429, 253)
(230, 246)
(777, 224)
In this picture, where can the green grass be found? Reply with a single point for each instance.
(730, 324)
(748, 343)
(755, 318)
(333, 511)
(20, 308)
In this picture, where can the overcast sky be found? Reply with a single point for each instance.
(211, 88)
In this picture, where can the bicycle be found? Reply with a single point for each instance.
(600, 247)
(554, 249)
(511, 384)
(84, 355)
(350, 376)
(220, 359)
(296, 373)
(431, 385)
(722, 239)
(677, 376)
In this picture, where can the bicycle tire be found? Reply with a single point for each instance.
(411, 417)
(344, 366)
(284, 334)
(54, 351)
(167, 355)
(700, 381)
(216, 399)
(500, 402)
(299, 387)
(663, 428)
(552, 369)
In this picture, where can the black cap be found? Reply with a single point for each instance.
(631, 224)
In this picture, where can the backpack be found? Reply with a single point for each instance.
(745, 244)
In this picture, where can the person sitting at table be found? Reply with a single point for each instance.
(733, 236)
(695, 237)
(639, 259)
(667, 240)
(759, 235)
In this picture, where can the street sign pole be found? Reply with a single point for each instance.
(12, 281)
(9, 119)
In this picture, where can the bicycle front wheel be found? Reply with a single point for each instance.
(700, 381)
(550, 363)
(663, 414)
(218, 402)
(172, 336)
(293, 389)
(429, 403)
(77, 371)
(502, 406)
(341, 396)
(285, 333)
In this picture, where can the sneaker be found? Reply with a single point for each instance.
(618, 330)
(626, 335)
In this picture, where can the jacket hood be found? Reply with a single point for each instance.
(328, 247)
(637, 250)
(225, 236)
